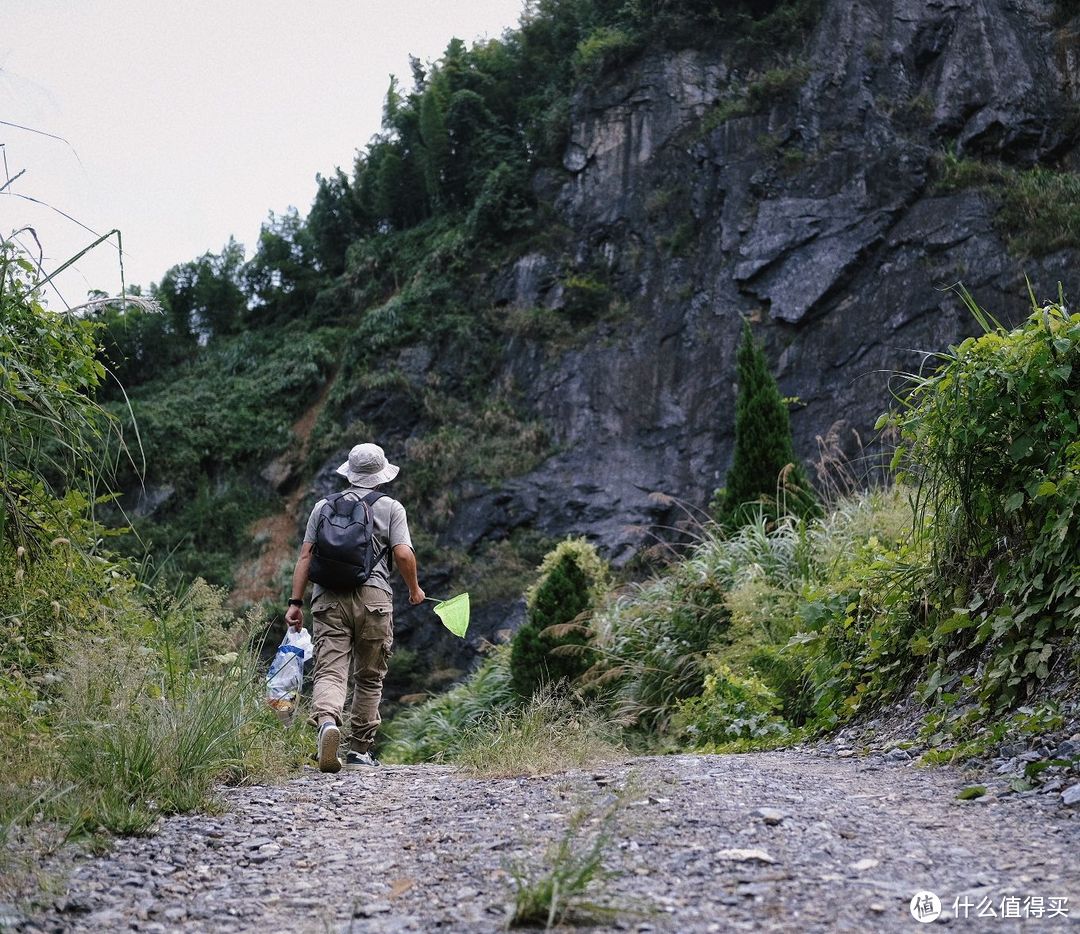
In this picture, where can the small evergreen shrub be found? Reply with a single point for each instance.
(552, 646)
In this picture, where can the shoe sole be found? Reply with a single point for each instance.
(328, 747)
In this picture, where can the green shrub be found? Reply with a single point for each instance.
(993, 441)
(605, 47)
(860, 636)
(136, 707)
(552, 646)
(650, 643)
(731, 707)
(775, 86)
(438, 729)
(51, 429)
(585, 299)
(1039, 208)
(503, 206)
(758, 600)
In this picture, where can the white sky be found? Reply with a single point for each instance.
(189, 121)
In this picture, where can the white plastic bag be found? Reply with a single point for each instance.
(286, 676)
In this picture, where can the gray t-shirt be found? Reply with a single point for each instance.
(391, 528)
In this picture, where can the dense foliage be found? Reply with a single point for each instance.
(119, 701)
(962, 582)
(994, 443)
(50, 428)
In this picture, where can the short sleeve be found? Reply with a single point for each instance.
(313, 522)
(398, 533)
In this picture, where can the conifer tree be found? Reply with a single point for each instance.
(764, 467)
(562, 595)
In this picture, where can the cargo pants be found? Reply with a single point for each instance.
(354, 635)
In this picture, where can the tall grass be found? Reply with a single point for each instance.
(736, 597)
(50, 425)
(565, 888)
(438, 729)
(136, 720)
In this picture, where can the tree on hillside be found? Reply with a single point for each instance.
(335, 220)
(764, 468)
(204, 298)
(282, 277)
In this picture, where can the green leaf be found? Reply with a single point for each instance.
(1020, 448)
(971, 792)
(1046, 488)
(1014, 502)
(959, 620)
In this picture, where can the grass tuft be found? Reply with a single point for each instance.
(564, 890)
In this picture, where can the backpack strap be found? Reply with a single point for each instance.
(371, 499)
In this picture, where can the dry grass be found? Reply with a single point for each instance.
(553, 732)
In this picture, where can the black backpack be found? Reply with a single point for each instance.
(344, 556)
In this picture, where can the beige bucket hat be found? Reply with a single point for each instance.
(367, 466)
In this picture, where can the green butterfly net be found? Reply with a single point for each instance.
(454, 614)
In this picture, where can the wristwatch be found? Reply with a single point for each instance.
(294, 602)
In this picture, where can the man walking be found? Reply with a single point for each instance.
(353, 540)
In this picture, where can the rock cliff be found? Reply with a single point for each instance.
(801, 194)
(811, 210)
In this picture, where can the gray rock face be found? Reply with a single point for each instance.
(816, 218)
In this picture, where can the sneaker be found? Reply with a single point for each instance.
(359, 760)
(329, 740)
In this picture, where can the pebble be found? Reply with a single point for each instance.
(1071, 796)
(771, 816)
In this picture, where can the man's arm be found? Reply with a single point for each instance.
(405, 560)
(294, 615)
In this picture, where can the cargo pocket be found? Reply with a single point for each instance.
(323, 602)
(378, 624)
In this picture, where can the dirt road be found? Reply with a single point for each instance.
(795, 840)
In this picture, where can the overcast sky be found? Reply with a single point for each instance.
(188, 122)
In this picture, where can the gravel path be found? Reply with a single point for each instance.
(842, 844)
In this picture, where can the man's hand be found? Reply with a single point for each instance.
(416, 595)
(294, 616)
